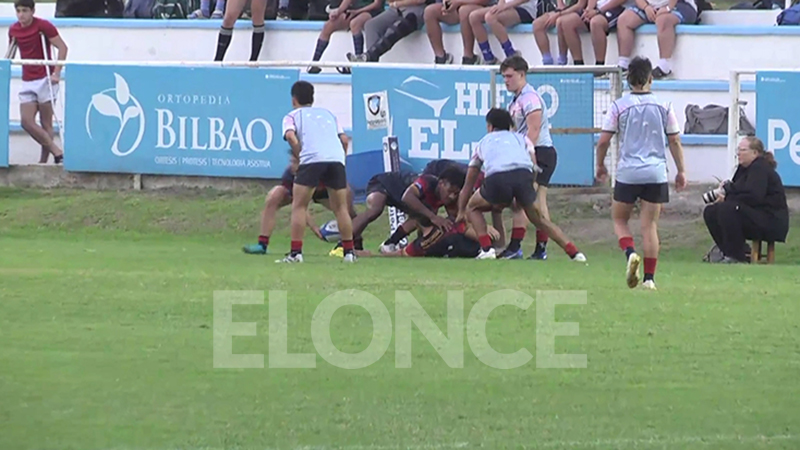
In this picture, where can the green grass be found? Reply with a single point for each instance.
(106, 325)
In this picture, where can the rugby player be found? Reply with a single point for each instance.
(461, 241)
(507, 158)
(646, 128)
(319, 143)
(530, 119)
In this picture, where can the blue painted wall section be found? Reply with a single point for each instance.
(778, 120)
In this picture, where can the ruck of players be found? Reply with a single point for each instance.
(447, 204)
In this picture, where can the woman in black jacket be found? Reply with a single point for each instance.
(751, 206)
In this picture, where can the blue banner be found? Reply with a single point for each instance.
(441, 114)
(778, 121)
(5, 101)
(177, 120)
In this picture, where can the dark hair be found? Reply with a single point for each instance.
(639, 71)
(454, 175)
(757, 145)
(25, 4)
(303, 92)
(515, 62)
(499, 119)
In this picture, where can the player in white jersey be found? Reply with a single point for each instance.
(507, 159)
(319, 143)
(646, 129)
(530, 119)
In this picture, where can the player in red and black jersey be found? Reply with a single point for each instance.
(280, 196)
(460, 241)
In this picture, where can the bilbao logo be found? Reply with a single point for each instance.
(118, 103)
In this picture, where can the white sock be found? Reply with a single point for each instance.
(665, 65)
(624, 62)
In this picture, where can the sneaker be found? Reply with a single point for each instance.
(298, 258)
(337, 251)
(344, 70)
(388, 248)
(349, 258)
(448, 59)
(255, 249)
(283, 14)
(579, 257)
(649, 285)
(314, 69)
(490, 254)
(659, 74)
(491, 62)
(470, 60)
(352, 57)
(508, 254)
(632, 270)
(540, 254)
(217, 14)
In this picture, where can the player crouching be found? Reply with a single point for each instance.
(508, 158)
(460, 241)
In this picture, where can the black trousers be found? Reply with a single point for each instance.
(731, 223)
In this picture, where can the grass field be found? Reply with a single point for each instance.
(106, 317)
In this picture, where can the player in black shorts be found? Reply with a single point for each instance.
(280, 196)
(458, 242)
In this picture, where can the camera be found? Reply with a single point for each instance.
(712, 195)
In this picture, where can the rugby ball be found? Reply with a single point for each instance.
(330, 231)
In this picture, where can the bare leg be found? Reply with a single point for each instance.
(621, 215)
(28, 112)
(649, 220)
(341, 209)
(552, 230)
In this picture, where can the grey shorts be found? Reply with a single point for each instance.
(686, 14)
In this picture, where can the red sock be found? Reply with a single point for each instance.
(263, 240)
(485, 241)
(541, 236)
(347, 246)
(297, 246)
(650, 266)
(571, 249)
(518, 233)
(626, 242)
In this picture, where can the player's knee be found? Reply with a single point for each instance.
(432, 13)
(476, 18)
(491, 19)
(666, 23)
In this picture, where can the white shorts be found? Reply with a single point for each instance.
(37, 91)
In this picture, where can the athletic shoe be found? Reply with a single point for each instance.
(283, 14)
(632, 270)
(255, 249)
(349, 258)
(539, 254)
(298, 258)
(649, 285)
(217, 14)
(448, 59)
(508, 254)
(314, 69)
(337, 251)
(388, 248)
(487, 254)
(579, 257)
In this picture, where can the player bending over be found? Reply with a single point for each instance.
(319, 143)
(233, 9)
(38, 92)
(507, 157)
(280, 196)
(646, 128)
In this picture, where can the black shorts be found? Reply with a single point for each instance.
(393, 185)
(524, 16)
(652, 192)
(612, 15)
(503, 188)
(330, 174)
(547, 159)
(287, 181)
(439, 244)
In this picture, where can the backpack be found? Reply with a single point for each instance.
(174, 9)
(713, 119)
(790, 16)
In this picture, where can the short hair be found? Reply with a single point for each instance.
(639, 71)
(24, 4)
(454, 175)
(515, 62)
(303, 92)
(499, 119)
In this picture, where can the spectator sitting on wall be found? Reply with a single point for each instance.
(452, 12)
(505, 14)
(387, 28)
(666, 14)
(553, 19)
(205, 10)
(352, 14)
(599, 19)
(750, 206)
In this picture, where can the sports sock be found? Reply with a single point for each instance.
(627, 246)
(665, 64)
(562, 60)
(486, 51)
(220, 6)
(485, 241)
(650, 268)
(223, 41)
(347, 246)
(571, 249)
(547, 59)
(517, 235)
(508, 47)
(297, 247)
(258, 41)
(358, 243)
(283, 4)
(263, 241)
(58, 159)
(321, 46)
(624, 62)
(578, 62)
(541, 241)
(205, 8)
(358, 43)
(599, 63)
(396, 237)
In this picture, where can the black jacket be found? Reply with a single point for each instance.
(760, 187)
